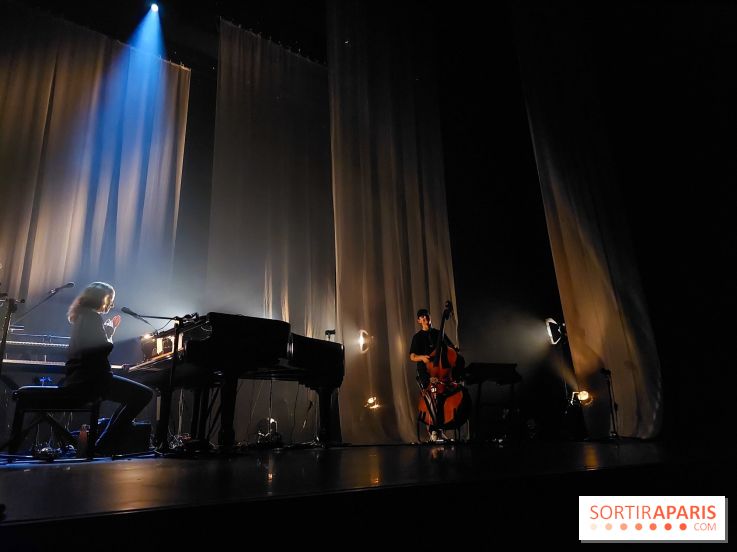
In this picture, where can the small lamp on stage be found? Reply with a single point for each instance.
(573, 422)
(372, 403)
(583, 398)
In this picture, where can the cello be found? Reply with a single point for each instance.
(444, 403)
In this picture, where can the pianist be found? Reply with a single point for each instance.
(88, 370)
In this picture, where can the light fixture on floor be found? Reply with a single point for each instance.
(583, 398)
(372, 403)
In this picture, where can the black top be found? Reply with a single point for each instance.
(424, 342)
(89, 347)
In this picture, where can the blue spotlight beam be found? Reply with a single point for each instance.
(148, 36)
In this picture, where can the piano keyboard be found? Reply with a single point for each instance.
(38, 344)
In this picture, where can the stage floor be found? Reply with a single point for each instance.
(338, 484)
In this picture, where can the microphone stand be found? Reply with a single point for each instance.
(34, 307)
(11, 305)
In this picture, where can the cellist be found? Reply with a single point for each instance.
(423, 343)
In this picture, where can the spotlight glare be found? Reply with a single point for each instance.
(154, 8)
(372, 403)
(363, 341)
(582, 398)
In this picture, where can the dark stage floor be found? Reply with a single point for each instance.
(145, 501)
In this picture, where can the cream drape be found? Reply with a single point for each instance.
(91, 147)
(391, 227)
(601, 293)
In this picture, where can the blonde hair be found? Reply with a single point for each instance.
(92, 297)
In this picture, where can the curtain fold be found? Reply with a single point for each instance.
(271, 232)
(91, 148)
(391, 230)
(603, 302)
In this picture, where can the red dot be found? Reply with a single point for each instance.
(623, 527)
(608, 526)
(683, 526)
(653, 527)
(638, 526)
(668, 526)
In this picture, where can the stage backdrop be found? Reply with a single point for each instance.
(392, 239)
(600, 288)
(91, 145)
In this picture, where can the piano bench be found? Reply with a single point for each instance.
(45, 400)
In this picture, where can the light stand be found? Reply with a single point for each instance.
(613, 407)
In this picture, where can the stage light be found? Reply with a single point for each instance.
(372, 403)
(267, 432)
(148, 37)
(363, 341)
(556, 332)
(583, 398)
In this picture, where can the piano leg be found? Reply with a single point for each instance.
(162, 425)
(195, 421)
(329, 431)
(226, 437)
(204, 415)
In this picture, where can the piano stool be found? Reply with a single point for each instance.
(44, 400)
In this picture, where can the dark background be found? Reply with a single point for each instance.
(665, 77)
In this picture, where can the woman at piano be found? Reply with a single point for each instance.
(89, 375)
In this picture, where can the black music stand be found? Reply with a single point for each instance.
(501, 373)
(613, 406)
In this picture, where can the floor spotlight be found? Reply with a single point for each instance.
(574, 426)
(372, 403)
(583, 398)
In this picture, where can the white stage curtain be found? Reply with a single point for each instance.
(91, 146)
(609, 327)
(392, 239)
(271, 246)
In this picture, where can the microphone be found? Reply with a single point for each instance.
(56, 289)
(126, 310)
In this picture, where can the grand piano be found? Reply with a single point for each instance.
(219, 349)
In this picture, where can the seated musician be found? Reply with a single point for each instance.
(89, 375)
(423, 343)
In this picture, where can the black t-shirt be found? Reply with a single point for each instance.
(89, 347)
(423, 343)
